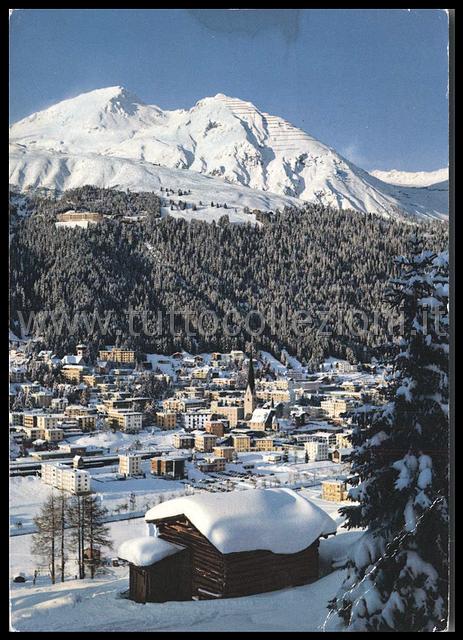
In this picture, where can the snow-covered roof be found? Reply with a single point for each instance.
(69, 359)
(146, 550)
(260, 415)
(278, 520)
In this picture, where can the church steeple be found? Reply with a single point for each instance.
(250, 395)
(251, 379)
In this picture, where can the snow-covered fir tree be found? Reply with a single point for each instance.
(397, 575)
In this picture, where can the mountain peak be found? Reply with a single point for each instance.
(412, 178)
(220, 136)
(88, 105)
(228, 101)
(117, 92)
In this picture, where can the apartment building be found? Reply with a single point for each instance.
(166, 420)
(333, 407)
(86, 423)
(224, 452)
(113, 354)
(74, 481)
(201, 373)
(48, 420)
(16, 418)
(343, 366)
(183, 441)
(213, 464)
(41, 399)
(169, 467)
(53, 434)
(316, 451)
(92, 379)
(334, 490)
(59, 404)
(33, 433)
(224, 383)
(323, 436)
(193, 420)
(182, 405)
(29, 418)
(216, 427)
(205, 442)
(277, 395)
(232, 413)
(73, 372)
(190, 392)
(125, 419)
(264, 444)
(130, 465)
(74, 410)
(241, 442)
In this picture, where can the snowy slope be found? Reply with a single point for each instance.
(38, 168)
(95, 605)
(412, 178)
(109, 136)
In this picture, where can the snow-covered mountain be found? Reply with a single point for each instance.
(109, 137)
(412, 178)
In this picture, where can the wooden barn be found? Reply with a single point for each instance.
(159, 571)
(239, 543)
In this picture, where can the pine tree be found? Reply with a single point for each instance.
(96, 531)
(75, 519)
(398, 573)
(45, 540)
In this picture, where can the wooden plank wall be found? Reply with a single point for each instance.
(216, 575)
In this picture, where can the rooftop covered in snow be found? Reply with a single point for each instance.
(278, 520)
(146, 550)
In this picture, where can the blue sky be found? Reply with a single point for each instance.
(370, 83)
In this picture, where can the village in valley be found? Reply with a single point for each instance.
(137, 435)
(230, 321)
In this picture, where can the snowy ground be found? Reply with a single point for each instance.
(77, 605)
(28, 493)
(95, 605)
(208, 214)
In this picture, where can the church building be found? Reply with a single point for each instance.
(250, 400)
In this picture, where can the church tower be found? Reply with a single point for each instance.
(250, 395)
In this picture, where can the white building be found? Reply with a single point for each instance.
(61, 477)
(130, 465)
(193, 420)
(323, 436)
(316, 451)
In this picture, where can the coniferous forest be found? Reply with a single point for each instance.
(322, 270)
